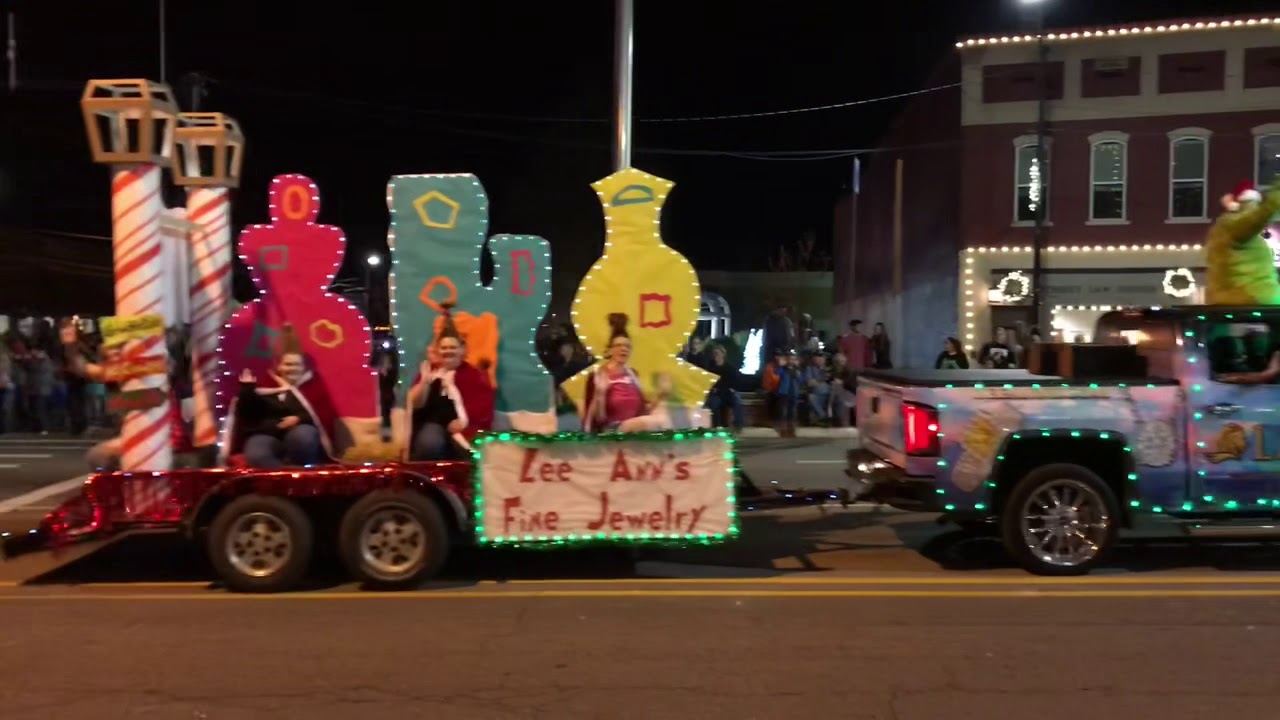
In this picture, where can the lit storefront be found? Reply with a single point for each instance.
(1080, 284)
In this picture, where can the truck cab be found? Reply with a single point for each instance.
(1169, 417)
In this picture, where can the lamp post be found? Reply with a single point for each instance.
(1042, 125)
(210, 156)
(371, 263)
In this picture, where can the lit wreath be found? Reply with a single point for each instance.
(1024, 287)
(1171, 288)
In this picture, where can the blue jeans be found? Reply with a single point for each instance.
(716, 401)
(431, 442)
(819, 398)
(300, 446)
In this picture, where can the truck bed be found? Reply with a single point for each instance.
(1016, 378)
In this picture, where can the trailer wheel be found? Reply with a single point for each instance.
(261, 544)
(392, 540)
(1060, 519)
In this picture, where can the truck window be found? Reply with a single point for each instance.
(1240, 347)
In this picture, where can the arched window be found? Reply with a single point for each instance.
(714, 315)
(1031, 180)
(1108, 175)
(1189, 174)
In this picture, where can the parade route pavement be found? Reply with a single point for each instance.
(871, 648)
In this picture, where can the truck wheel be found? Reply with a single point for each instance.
(392, 540)
(1060, 520)
(261, 543)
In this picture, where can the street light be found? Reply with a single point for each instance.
(374, 260)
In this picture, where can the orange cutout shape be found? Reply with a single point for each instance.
(296, 203)
(480, 334)
(425, 295)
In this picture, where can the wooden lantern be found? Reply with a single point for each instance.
(129, 122)
(210, 150)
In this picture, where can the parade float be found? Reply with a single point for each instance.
(662, 478)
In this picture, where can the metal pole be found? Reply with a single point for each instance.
(1042, 127)
(162, 41)
(12, 52)
(623, 54)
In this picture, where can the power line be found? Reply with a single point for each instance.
(386, 111)
(601, 120)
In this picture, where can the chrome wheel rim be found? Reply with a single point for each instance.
(259, 544)
(393, 543)
(1065, 523)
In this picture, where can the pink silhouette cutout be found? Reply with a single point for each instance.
(293, 261)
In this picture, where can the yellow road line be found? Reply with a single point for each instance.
(631, 594)
(1021, 581)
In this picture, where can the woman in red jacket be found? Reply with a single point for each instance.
(451, 401)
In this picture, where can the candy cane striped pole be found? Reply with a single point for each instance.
(209, 208)
(136, 207)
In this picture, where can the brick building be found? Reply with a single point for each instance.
(1147, 126)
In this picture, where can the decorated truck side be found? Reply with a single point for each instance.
(1170, 418)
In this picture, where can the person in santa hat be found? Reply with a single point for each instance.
(1240, 264)
(451, 401)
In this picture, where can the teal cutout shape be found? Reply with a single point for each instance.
(262, 343)
(450, 246)
(273, 257)
(639, 195)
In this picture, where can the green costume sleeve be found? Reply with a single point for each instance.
(1246, 224)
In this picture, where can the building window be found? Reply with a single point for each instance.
(1266, 154)
(1031, 187)
(1107, 175)
(1193, 72)
(1261, 67)
(1188, 173)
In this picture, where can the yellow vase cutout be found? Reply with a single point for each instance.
(655, 286)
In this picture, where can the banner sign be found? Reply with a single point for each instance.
(134, 368)
(119, 330)
(535, 488)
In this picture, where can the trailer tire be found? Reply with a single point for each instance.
(261, 544)
(392, 540)
(1088, 519)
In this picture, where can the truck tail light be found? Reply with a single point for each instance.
(920, 430)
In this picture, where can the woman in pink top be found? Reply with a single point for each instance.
(614, 400)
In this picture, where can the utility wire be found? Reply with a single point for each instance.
(600, 120)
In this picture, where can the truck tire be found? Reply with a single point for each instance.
(392, 540)
(261, 544)
(1060, 520)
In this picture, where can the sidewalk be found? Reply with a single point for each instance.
(801, 432)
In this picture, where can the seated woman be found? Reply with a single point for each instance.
(276, 424)
(614, 400)
(451, 401)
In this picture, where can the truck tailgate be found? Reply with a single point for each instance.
(880, 419)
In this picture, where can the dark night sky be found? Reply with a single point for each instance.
(474, 86)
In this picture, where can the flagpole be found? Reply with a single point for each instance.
(623, 59)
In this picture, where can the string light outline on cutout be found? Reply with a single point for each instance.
(273, 211)
(663, 188)
(482, 202)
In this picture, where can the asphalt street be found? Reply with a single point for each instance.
(816, 611)
(647, 649)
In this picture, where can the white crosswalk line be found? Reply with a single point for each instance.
(25, 456)
(34, 496)
(9, 466)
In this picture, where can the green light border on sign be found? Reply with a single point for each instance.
(644, 538)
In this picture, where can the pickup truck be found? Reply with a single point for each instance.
(1179, 426)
